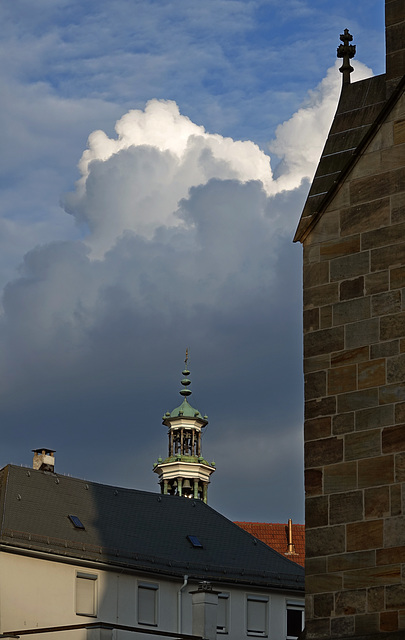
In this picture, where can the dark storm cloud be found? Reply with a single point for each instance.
(93, 348)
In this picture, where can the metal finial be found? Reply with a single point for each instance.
(185, 382)
(346, 51)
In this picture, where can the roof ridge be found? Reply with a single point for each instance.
(55, 474)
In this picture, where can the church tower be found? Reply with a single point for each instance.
(353, 234)
(184, 472)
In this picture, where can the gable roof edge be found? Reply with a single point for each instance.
(300, 235)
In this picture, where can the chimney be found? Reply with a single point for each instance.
(44, 460)
(291, 546)
(394, 43)
(204, 611)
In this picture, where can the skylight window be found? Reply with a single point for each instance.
(195, 542)
(77, 523)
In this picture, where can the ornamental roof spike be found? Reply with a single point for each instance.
(346, 51)
(185, 409)
(186, 381)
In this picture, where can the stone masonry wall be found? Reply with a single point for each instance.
(354, 363)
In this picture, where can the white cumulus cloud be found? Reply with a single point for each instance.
(299, 140)
(136, 180)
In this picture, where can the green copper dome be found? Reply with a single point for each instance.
(185, 410)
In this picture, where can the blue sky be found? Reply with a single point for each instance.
(133, 224)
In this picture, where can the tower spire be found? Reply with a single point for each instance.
(184, 472)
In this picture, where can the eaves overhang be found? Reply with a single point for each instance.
(132, 563)
(190, 470)
(189, 421)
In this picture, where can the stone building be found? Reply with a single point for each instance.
(353, 234)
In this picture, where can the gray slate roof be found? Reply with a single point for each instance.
(138, 530)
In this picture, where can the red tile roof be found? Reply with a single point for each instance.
(275, 535)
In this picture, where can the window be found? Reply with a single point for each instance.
(147, 603)
(257, 615)
(86, 594)
(223, 613)
(195, 542)
(295, 619)
(77, 523)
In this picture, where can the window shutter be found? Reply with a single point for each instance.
(222, 616)
(257, 615)
(86, 594)
(147, 609)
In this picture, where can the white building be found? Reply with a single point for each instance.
(74, 552)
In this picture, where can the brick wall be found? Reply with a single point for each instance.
(354, 363)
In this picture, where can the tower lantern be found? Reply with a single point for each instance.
(184, 472)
